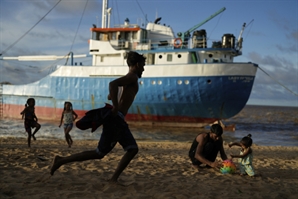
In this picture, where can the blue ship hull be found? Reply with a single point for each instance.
(190, 100)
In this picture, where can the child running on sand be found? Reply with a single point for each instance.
(68, 116)
(30, 119)
(115, 129)
(245, 157)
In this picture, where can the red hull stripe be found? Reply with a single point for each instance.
(46, 113)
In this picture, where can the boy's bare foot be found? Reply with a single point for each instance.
(56, 164)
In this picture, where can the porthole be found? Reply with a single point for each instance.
(159, 82)
(210, 55)
(160, 56)
(153, 82)
(209, 81)
(179, 56)
(141, 82)
(179, 82)
(186, 82)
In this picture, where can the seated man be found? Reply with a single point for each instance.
(206, 146)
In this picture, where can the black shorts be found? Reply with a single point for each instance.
(115, 129)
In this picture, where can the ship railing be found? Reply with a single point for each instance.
(148, 44)
(168, 44)
(126, 26)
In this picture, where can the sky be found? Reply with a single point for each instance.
(30, 27)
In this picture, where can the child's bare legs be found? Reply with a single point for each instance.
(67, 135)
(70, 139)
(86, 155)
(125, 160)
(90, 155)
(29, 138)
(37, 127)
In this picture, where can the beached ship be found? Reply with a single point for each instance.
(185, 82)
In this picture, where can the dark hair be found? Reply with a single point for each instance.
(70, 104)
(246, 141)
(29, 100)
(217, 129)
(132, 58)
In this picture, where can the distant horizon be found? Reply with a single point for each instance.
(272, 103)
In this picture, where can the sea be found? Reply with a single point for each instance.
(268, 125)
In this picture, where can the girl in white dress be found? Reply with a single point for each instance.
(68, 117)
(245, 157)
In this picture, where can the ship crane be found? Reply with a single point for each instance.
(240, 39)
(186, 35)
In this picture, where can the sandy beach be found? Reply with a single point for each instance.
(160, 170)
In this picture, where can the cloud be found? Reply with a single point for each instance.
(290, 32)
(280, 21)
(291, 44)
(57, 29)
(63, 9)
(24, 72)
(294, 35)
(274, 74)
(20, 74)
(292, 49)
(279, 70)
(275, 61)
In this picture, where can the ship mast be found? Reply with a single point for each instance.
(104, 13)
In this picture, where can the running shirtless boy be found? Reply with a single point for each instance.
(115, 129)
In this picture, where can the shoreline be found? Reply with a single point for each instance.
(159, 170)
(227, 139)
(265, 135)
